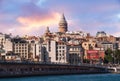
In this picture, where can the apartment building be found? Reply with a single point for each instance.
(75, 54)
(21, 47)
(58, 51)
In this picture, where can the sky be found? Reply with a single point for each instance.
(31, 17)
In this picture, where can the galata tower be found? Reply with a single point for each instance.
(63, 24)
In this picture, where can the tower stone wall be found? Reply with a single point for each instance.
(63, 26)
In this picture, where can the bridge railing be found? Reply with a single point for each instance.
(32, 62)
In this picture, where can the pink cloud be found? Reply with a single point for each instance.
(39, 20)
(36, 21)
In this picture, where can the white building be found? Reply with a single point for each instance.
(5, 42)
(36, 50)
(8, 46)
(57, 51)
(10, 56)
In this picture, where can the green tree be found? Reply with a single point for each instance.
(86, 61)
(116, 56)
(108, 56)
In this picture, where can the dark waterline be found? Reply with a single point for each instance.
(89, 77)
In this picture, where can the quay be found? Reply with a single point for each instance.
(20, 69)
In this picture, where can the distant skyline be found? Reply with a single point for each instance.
(31, 17)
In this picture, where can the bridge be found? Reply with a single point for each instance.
(17, 69)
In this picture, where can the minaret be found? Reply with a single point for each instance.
(47, 30)
(63, 24)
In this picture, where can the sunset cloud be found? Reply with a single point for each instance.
(34, 23)
(37, 20)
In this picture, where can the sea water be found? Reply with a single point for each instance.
(81, 77)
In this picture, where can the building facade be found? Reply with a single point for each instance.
(21, 47)
(75, 54)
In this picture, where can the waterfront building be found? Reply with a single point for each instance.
(75, 54)
(5, 42)
(36, 51)
(95, 56)
(21, 47)
(88, 45)
(10, 56)
(57, 51)
(46, 47)
(8, 46)
(2, 53)
(107, 45)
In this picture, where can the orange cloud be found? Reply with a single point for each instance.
(37, 21)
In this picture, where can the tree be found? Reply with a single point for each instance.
(86, 61)
(116, 56)
(108, 56)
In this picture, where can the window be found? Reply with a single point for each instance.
(60, 54)
(56, 57)
(59, 47)
(59, 58)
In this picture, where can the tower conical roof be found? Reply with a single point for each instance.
(63, 24)
(63, 20)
